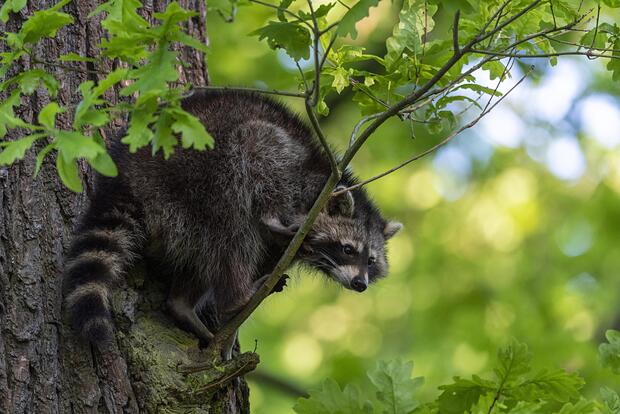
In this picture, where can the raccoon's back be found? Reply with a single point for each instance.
(265, 159)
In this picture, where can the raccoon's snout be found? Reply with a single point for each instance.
(359, 284)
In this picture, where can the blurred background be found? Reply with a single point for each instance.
(512, 230)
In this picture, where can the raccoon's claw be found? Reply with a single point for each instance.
(279, 287)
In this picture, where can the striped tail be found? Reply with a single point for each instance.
(107, 241)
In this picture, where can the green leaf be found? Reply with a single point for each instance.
(612, 3)
(479, 88)
(43, 23)
(11, 6)
(163, 138)
(187, 40)
(354, 15)
(414, 21)
(193, 132)
(173, 15)
(47, 116)
(30, 80)
(321, 11)
(580, 407)
(41, 156)
(155, 75)
(496, 69)
(284, 4)
(104, 164)
(514, 362)
(292, 37)
(614, 64)
(72, 145)
(461, 395)
(609, 353)
(611, 400)
(555, 385)
(68, 172)
(112, 79)
(330, 399)
(341, 79)
(139, 132)
(395, 386)
(122, 16)
(15, 150)
(7, 116)
(442, 102)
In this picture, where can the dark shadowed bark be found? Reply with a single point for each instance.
(44, 368)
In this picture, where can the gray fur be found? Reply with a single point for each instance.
(221, 219)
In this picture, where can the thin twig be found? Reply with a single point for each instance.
(245, 89)
(278, 383)
(555, 24)
(598, 15)
(67, 67)
(326, 51)
(545, 55)
(329, 27)
(565, 42)
(319, 132)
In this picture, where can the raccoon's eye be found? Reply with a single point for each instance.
(348, 249)
(371, 261)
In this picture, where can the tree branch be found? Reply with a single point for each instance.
(437, 146)
(316, 35)
(455, 32)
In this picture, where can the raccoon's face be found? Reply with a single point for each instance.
(347, 241)
(350, 250)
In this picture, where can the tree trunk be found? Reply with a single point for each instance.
(44, 368)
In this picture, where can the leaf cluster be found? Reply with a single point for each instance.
(515, 388)
(147, 78)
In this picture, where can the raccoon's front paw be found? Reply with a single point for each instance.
(279, 287)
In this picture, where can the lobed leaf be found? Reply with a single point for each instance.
(609, 353)
(354, 15)
(47, 116)
(43, 23)
(395, 386)
(16, 150)
(292, 37)
(330, 399)
(193, 132)
(11, 6)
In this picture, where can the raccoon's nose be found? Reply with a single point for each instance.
(359, 284)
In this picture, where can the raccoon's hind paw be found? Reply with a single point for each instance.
(279, 287)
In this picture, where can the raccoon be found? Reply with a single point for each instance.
(220, 219)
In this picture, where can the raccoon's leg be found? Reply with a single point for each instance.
(183, 310)
(108, 240)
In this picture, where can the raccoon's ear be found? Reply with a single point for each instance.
(342, 204)
(391, 228)
(274, 224)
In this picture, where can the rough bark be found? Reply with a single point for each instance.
(44, 368)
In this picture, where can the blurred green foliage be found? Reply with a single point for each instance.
(517, 252)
